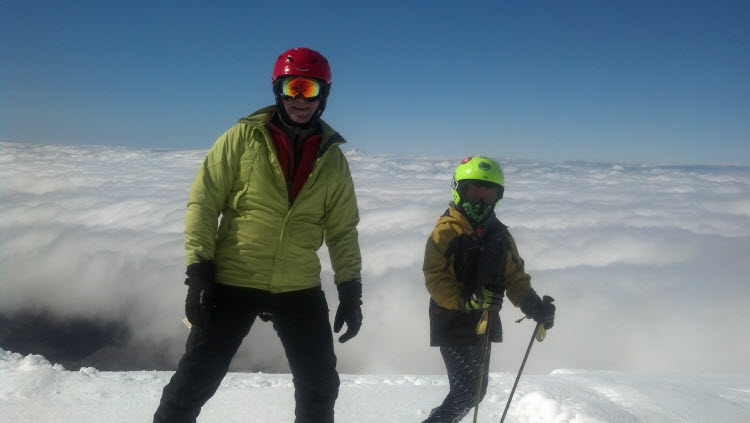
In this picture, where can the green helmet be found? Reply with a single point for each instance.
(477, 168)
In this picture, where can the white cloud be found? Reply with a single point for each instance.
(645, 261)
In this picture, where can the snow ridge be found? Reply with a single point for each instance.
(34, 389)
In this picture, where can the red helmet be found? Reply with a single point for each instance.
(303, 62)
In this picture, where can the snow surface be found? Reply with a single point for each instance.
(34, 390)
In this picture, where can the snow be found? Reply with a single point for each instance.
(34, 390)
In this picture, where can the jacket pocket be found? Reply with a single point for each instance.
(225, 225)
(238, 196)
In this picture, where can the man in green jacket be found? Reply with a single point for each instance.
(281, 186)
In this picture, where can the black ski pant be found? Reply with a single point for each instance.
(300, 319)
(464, 365)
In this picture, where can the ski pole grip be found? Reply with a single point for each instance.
(541, 333)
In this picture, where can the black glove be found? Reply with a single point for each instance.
(542, 311)
(349, 311)
(200, 300)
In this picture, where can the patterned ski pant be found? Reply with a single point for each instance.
(463, 364)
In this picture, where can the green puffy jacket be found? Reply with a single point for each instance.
(262, 241)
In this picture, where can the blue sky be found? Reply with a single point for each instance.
(654, 81)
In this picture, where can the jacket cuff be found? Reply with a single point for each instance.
(530, 303)
(350, 291)
(205, 270)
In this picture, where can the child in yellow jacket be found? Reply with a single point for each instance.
(471, 262)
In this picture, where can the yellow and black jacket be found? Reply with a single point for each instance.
(459, 258)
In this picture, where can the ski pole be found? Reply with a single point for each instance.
(512, 391)
(538, 335)
(486, 328)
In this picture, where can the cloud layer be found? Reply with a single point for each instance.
(648, 263)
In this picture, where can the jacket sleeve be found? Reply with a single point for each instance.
(517, 281)
(342, 217)
(208, 195)
(439, 275)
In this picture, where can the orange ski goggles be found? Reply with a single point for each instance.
(295, 86)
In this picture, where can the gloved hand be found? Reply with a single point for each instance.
(542, 311)
(480, 299)
(349, 310)
(200, 300)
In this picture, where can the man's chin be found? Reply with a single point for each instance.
(301, 120)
